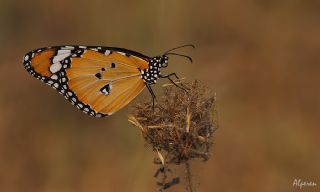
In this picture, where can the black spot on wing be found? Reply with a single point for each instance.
(98, 75)
(105, 90)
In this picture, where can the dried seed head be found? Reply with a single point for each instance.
(181, 125)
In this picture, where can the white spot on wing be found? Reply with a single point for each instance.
(54, 76)
(105, 92)
(50, 82)
(55, 67)
(121, 53)
(59, 58)
(56, 85)
(63, 51)
(68, 47)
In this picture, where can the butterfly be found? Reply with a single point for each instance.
(98, 80)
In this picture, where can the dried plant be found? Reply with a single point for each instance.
(179, 128)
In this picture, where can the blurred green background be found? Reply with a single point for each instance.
(261, 57)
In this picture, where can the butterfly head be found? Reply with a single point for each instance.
(152, 73)
(159, 61)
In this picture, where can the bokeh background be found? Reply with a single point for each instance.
(260, 57)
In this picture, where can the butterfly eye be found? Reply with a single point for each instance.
(164, 61)
(164, 64)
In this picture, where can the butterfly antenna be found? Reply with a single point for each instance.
(186, 56)
(188, 45)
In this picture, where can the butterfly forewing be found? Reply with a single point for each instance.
(97, 80)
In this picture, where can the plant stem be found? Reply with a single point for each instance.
(188, 177)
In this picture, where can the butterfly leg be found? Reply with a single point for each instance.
(152, 94)
(173, 74)
(170, 79)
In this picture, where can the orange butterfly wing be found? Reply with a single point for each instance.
(97, 80)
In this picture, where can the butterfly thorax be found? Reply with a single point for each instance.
(151, 74)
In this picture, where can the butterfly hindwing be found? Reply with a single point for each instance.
(97, 80)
